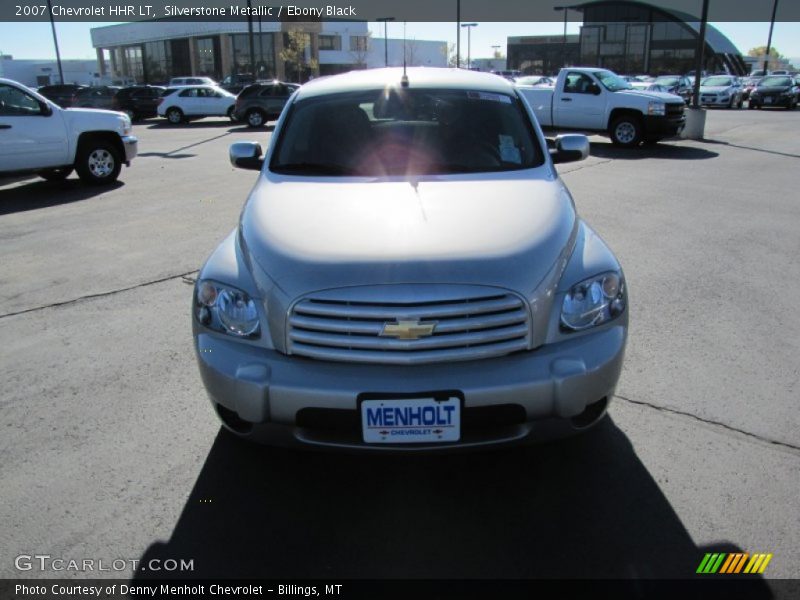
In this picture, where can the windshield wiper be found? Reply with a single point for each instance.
(313, 168)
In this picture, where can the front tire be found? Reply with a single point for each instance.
(256, 118)
(229, 114)
(56, 174)
(626, 131)
(174, 116)
(98, 162)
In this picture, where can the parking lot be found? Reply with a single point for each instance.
(111, 450)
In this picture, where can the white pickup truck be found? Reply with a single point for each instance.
(37, 136)
(597, 100)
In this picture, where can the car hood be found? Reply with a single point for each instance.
(85, 119)
(662, 96)
(312, 234)
(773, 88)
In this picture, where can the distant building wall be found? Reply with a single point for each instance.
(34, 73)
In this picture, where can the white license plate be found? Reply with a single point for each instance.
(411, 421)
(767, 100)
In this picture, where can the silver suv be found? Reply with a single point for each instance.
(409, 273)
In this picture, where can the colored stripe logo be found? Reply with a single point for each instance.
(737, 562)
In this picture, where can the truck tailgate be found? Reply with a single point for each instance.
(540, 100)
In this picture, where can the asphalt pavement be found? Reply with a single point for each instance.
(110, 449)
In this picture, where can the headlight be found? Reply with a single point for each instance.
(593, 302)
(225, 309)
(656, 108)
(126, 125)
(787, 93)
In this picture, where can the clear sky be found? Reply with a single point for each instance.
(33, 40)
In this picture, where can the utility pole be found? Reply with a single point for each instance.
(458, 34)
(250, 38)
(564, 39)
(701, 46)
(55, 42)
(385, 21)
(769, 39)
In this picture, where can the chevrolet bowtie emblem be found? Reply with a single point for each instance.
(408, 330)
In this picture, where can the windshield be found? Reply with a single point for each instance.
(401, 131)
(667, 80)
(716, 81)
(612, 82)
(775, 81)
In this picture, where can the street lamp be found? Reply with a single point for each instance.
(385, 21)
(769, 39)
(564, 39)
(469, 27)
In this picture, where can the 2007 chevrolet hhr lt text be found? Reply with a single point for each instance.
(409, 273)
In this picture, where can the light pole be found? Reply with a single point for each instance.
(564, 39)
(385, 21)
(769, 39)
(469, 27)
(458, 34)
(55, 41)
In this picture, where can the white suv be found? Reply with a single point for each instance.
(195, 102)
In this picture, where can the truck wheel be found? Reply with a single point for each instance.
(98, 162)
(175, 116)
(255, 118)
(55, 174)
(626, 131)
(230, 113)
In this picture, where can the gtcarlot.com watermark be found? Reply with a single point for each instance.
(48, 563)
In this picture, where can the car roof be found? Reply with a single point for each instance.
(418, 77)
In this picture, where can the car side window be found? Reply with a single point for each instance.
(577, 83)
(189, 93)
(268, 91)
(16, 103)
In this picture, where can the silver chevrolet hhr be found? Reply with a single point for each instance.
(409, 273)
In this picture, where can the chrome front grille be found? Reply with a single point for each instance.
(481, 325)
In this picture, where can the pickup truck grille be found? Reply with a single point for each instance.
(674, 109)
(477, 327)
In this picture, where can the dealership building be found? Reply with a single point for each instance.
(627, 37)
(153, 52)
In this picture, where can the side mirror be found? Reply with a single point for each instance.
(246, 155)
(46, 111)
(595, 89)
(570, 148)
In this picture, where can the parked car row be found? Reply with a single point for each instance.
(185, 99)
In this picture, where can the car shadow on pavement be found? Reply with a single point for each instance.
(583, 507)
(42, 194)
(232, 126)
(664, 151)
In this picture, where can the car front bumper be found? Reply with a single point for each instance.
(665, 126)
(528, 396)
(131, 145)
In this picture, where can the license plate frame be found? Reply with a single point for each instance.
(423, 418)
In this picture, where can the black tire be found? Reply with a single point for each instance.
(230, 113)
(255, 118)
(626, 131)
(741, 103)
(98, 162)
(174, 115)
(56, 174)
(751, 106)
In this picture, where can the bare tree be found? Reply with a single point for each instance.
(411, 51)
(297, 52)
(450, 52)
(360, 49)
